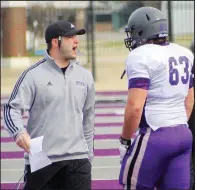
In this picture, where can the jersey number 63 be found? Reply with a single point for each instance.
(174, 77)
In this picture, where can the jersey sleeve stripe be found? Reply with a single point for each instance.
(143, 83)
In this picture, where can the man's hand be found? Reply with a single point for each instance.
(23, 141)
(124, 145)
(122, 149)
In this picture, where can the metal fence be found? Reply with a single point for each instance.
(103, 44)
(180, 15)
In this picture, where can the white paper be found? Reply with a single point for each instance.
(37, 157)
(38, 160)
(36, 145)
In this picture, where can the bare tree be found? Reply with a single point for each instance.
(46, 15)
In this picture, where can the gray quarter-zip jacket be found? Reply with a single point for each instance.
(61, 108)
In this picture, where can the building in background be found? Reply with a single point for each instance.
(13, 28)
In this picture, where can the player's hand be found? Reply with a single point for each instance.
(123, 150)
(124, 146)
(23, 141)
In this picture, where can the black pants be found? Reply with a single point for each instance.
(67, 175)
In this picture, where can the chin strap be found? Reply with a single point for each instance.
(123, 74)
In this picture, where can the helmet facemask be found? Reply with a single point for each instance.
(132, 42)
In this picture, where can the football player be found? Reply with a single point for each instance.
(160, 102)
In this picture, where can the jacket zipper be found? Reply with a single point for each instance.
(64, 79)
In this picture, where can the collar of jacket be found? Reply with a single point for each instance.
(72, 63)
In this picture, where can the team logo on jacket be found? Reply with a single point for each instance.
(49, 84)
(80, 83)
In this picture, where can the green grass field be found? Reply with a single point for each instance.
(179, 39)
(110, 59)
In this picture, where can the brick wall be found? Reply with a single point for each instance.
(14, 31)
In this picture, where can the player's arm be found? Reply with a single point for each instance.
(20, 101)
(189, 102)
(138, 84)
(89, 116)
(133, 111)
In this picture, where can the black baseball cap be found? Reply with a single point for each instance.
(61, 28)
